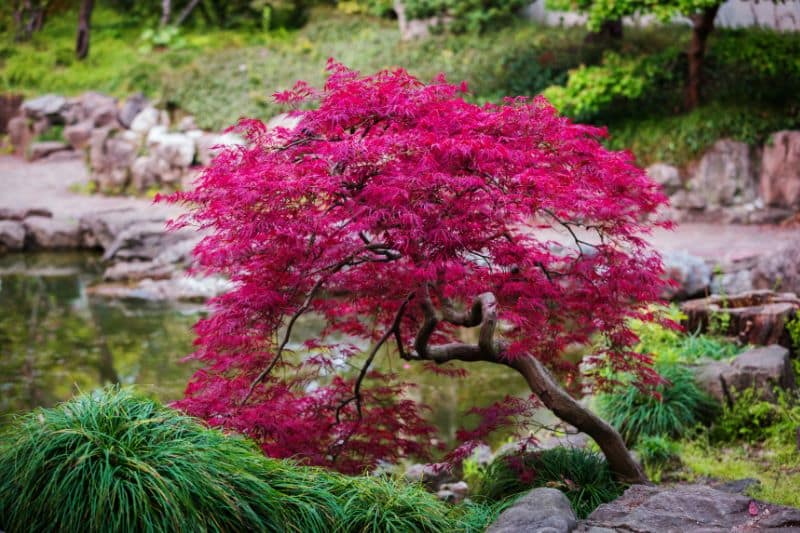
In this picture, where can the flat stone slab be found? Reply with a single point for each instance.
(689, 509)
(542, 510)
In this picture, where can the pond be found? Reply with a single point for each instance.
(56, 340)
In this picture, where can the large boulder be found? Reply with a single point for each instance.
(542, 510)
(12, 235)
(780, 170)
(53, 233)
(762, 369)
(780, 268)
(210, 144)
(691, 274)
(688, 509)
(725, 175)
(668, 176)
(79, 134)
(49, 106)
(131, 108)
(40, 150)
(147, 119)
(176, 149)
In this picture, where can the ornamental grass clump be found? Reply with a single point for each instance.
(115, 461)
(582, 475)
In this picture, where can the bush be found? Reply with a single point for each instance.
(752, 419)
(582, 475)
(115, 461)
(677, 406)
(657, 453)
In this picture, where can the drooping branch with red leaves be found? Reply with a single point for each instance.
(401, 214)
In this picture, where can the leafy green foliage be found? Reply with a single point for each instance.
(581, 474)
(115, 461)
(656, 454)
(671, 345)
(600, 11)
(677, 406)
(753, 419)
(793, 327)
(467, 15)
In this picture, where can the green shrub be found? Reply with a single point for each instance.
(673, 346)
(467, 15)
(581, 474)
(657, 453)
(115, 461)
(677, 406)
(752, 419)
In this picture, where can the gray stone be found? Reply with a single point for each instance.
(20, 213)
(147, 119)
(687, 509)
(78, 135)
(53, 233)
(138, 270)
(187, 123)
(284, 120)
(542, 510)
(19, 133)
(459, 488)
(45, 106)
(691, 274)
(668, 176)
(209, 145)
(688, 199)
(763, 368)
(12, 235)
(132, 107)
(176, 149)
(177, 287)
(779, 269)
(725, 175)
(40, 150)
(780, 170)
(429, 476)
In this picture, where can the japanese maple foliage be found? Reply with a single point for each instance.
(388, 196)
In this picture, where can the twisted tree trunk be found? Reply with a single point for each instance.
(483, 313)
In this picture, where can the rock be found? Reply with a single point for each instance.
(19, 133)
(691, 274)
(177, 149)
(761, 368)
(447, 496)
(686, 199)
(725, 175)
(460, 489)
(756, 317)
(147, 119)
(284, 120)
(20, 213)
(176, 288)
(53, 233)
(780, 269)
(667, 176)
(43, 149)
(97, 108)
(187, 123)
(146, 241)
(138, 270)
(100, 229)
(416, 28)
(210, 144)
(47, 106)
(12, 235)
(132, 107)
(78, 135)
(542, 510)
(429, 476)
(687, 509)
(780, 170)
(738, 486)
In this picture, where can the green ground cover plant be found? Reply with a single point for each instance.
(116, 461)
(581, 474)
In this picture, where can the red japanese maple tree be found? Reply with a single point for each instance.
(401, 214)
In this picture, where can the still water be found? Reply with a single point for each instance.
(56, 340)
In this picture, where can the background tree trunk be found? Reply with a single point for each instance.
(84, 25)
(702, 26)
(166, 12)
(610, 30)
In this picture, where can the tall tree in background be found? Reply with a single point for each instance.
(701, 13)
(403, 214)
(84, 27)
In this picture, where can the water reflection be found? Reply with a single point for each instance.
(55, 341)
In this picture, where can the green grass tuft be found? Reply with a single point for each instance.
(677, 407)
(116, 461)
(582, 475)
